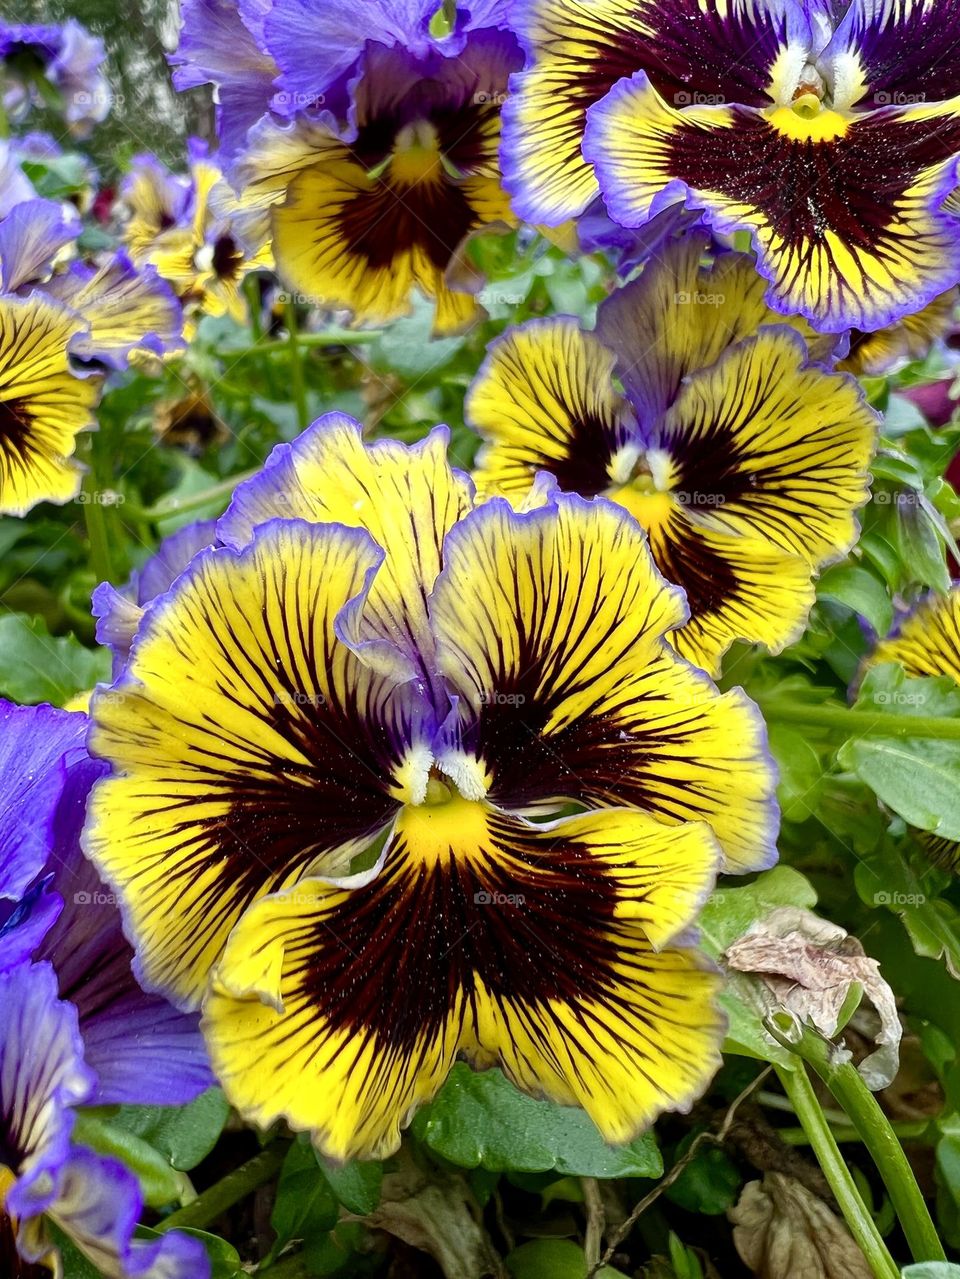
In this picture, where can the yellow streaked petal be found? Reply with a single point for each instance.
(43, 404)
(249, 746)
(407, 499)
(342, 1007)
(550, 628)
(544, 400)
(770, 448)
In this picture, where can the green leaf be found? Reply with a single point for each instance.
(356, 1185)
(861, 591)
(184, 1134)
(919, 778)
(553, 1259)
(931, 1270)
(479, 1120)
(709, 1184)
(801, 772)
(38, 667)
(727, 915)
(305, 1206)
(161, 1184)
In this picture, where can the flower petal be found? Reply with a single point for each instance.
(528, 946)
(31, 236)
(125, 308)
(927, 641)
(42, 1076)
(893, 52)
(550, 628)
(693, 51)
(845, 212)
(737, 588)
(37, 743)
(768, 447)
(544, 400)
(98, 1206)
(406, 497)
(249, 745)
(680, 316)
(43, 404)
(143, 1051)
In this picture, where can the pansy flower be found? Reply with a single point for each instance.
(926, 643)
(378, 192)
(125, 309)
(68, 59)
(370, 667)
(193, 231)
(742, 459)
(912, 338)
(833, 143)
(75, 1027)
(44, 403)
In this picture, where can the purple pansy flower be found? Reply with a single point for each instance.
(75, 1028)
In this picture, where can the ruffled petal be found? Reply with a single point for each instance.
(406, 497)
(544, 400)
(927, 641)
(31, 236)
(249, 745)
(737, 588)
(42, 1076)
(43, 404)
(681, 315)
(767, 447)
(342, 1008)
(125, 308)
(142, 1050)
(845, 213)
(37, 745)
(694, 52)
(98, 1206)
(893, 52)
(551, 631)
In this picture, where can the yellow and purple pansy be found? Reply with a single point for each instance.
(741, 455)
(479, 703)
(833, 142)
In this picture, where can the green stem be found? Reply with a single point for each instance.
(798, 1088)
(908, 1130)
(296, 368)
(95, 513)
(221, 1196)
(195, 502)
(291, 1267)
(859, 723)
(847, 1087)
(251, 289)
